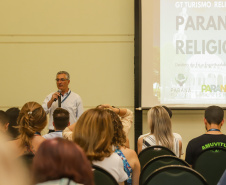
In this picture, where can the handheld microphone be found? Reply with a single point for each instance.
(59, 91)
(59, 99)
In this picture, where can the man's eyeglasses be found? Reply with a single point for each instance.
(61, 79)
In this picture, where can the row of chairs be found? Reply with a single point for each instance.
(172, 175)
(101, 176)
(175, 175)
(157, 163)
(161, 166)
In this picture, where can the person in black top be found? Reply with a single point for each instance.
(214, 119)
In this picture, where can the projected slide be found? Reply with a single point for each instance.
(192, 47)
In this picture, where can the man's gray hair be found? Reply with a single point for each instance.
(64, 72)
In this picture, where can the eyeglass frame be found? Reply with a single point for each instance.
(61, 79)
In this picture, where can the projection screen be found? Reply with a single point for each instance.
(183, 53)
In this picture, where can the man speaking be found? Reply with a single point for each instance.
(68, 100)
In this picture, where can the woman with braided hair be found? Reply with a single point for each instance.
(31, 121)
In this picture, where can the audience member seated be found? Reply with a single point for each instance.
(126, 117)
(4, 121)
(12, 171)
(13, 129)
(214, 119)
(176, 135)
(160, 132)
(31, 121)
(60, 122)
(94, 133)
(59, 161)
(129, 157)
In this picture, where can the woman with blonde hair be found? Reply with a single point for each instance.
(93, 132)
(160, 132)
(31, 121)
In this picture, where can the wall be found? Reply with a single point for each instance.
(92, 40)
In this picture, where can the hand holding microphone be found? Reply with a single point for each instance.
(57, 95)
(54, 98)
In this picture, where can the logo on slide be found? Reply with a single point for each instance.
(213, 88)
(180, 79)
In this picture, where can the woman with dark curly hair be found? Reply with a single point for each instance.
(126, 117)
(128, 156)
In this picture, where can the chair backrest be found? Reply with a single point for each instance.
(151, 152)
(102, 177)
(222, 179)
(175, 175)
(211, 163)
(159, 162)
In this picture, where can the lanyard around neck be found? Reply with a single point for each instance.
(37, 133)
(66, 97)
(213, 129)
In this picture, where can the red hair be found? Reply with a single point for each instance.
(58, 158)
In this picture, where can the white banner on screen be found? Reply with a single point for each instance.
(192, 65)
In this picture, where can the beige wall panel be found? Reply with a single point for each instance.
(93, 40)
(67, 17)
(100, 72)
